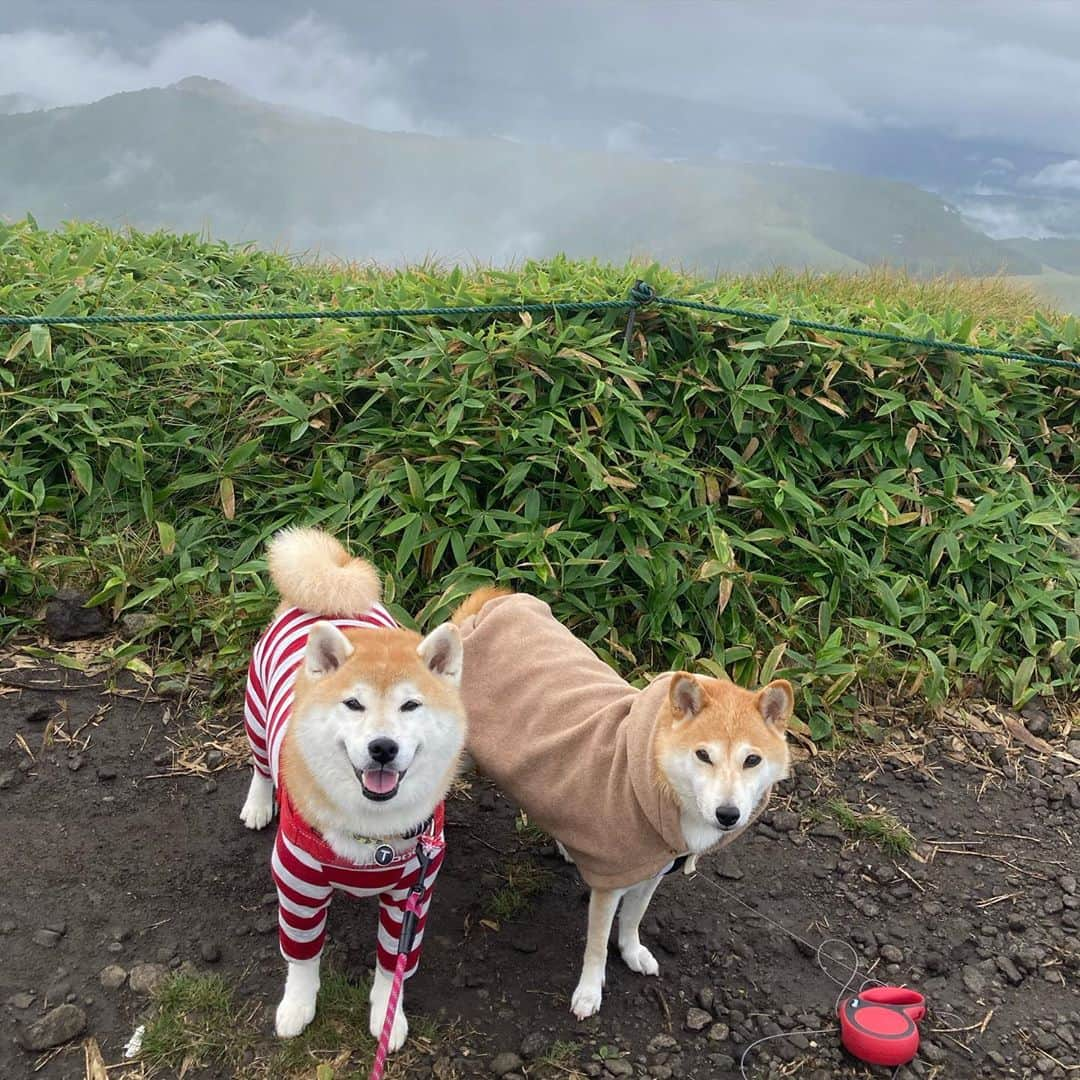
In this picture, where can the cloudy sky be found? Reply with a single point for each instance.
(977, 100)
(1009, 71)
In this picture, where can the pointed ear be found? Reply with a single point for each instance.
(686, 696)
(777, 702)
(327, 649)
(441, 652)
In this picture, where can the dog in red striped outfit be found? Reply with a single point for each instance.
(356, 725)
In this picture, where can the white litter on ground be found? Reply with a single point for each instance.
(134, 1044)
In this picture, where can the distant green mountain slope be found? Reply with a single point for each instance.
(200, 156)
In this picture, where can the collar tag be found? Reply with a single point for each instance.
(384, 855)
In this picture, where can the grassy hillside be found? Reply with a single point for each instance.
(846, 512)
(198, 156)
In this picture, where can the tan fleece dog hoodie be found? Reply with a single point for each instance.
(570, 741)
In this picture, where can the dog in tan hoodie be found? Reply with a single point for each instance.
(631, 783)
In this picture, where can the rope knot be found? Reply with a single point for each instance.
(641, 292)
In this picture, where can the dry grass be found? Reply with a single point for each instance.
(996, 299)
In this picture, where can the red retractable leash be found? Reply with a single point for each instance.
(877, 1024)
(405, 940)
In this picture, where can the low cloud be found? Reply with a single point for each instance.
(1064, 176)
(308, 66)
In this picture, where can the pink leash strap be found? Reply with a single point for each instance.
(408, 932)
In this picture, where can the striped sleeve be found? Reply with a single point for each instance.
(303, 897)
(255, 717)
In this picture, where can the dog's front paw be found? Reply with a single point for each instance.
(586, 999)
(258, 808)
(293, 1016)
(398, 1033)
(639, 959)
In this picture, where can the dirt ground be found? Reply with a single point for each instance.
(111, 862)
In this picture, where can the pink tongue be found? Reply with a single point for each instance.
(380, 781)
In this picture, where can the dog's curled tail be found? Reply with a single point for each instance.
(312, 571)
(473, 603)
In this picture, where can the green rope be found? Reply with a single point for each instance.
(641, 295)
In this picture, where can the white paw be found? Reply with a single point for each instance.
(398, 1033)
(639, 959)
(586, 999)
(293, 1016)
(258, 808)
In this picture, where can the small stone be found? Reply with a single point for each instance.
(505, 1062)
(210, 787)
(146, 978)
(39, 715)
(210, 952)
(706, 997)
(49, 939)
(619, 1067)
(7, 779)
(55, 1027)
(22, 1000)
(785, 821)
(974, 981)
(719, 1033)
(1010, 971)
(105, 773)
(114, 947)
(75, 763)
(266, 925)
(113, 977)
(933, 1053)
(164, 758)
(891, 954)
(534, 1045)
(1068, 884)
(135, 622)
(828, 830)
(661, 1042)
(697, 1020)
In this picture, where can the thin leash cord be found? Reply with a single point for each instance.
(819, 957)
(381, 1051)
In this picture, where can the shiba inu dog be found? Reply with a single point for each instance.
(630, 782)
(357, 725)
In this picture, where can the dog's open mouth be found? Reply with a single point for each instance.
(380, 784)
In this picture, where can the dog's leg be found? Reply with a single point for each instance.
(380, 995)
(637, 957)
(297, 1008)
(258, 807)
(590, 987)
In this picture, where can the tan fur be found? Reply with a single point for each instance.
(727, 713)
(383, 657)
(312, 571)
(474, 602)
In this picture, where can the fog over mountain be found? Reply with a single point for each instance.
(634, 126)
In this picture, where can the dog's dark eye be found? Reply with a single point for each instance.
(751, 761)
(703, 755)
(410, 705)
(352, 703)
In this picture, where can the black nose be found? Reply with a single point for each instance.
(727, 815)
(382, 750)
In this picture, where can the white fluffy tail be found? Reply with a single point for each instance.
(313, 572)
